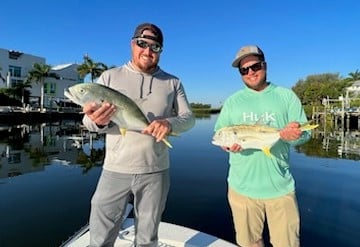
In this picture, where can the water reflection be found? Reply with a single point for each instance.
(348, 143)
(28, 148)
(334, 144)
(62, 159)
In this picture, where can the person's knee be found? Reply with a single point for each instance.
(96, 202)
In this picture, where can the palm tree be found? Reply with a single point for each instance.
(1, 76)
(354, 76)
(92, 68)
(21, 92)
(38, 75)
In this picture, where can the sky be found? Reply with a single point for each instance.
(201, 38)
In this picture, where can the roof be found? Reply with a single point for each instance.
(62, 66)
(356, 83)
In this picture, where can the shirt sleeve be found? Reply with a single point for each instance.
(184, 118)
(223, 118)
(297, 114)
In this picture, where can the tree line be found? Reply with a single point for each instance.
(314, 88)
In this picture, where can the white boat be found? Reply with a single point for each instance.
(170, 235)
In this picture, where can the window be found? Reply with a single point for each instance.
(15, 82)
(45, 87)
(52, 88)
(49, 88)
(15, 71)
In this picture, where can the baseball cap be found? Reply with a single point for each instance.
(247, 51)
(158, 36)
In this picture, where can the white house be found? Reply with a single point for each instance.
(355, 87)
(54, 88)
(15, 66)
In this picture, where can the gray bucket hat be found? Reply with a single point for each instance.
(247, 51)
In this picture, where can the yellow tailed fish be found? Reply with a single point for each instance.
(252, 136)
(128, 115)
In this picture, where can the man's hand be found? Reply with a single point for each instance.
(100, 114)
(158, 128)
(291, 132)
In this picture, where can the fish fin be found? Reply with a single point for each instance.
(244, 138)
(123, 131)
(174, 134)
(167, 143)
(266, 150)
(261, 122)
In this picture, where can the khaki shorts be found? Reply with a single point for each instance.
(282, 215)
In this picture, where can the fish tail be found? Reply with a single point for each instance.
(266, 150)
(123, 131)
(167, 143)
(308, 126)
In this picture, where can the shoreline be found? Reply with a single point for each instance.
(25, 117)
(37, 117)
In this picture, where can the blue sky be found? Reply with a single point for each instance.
(201, 38)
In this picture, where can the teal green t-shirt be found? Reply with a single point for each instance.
(251, 172)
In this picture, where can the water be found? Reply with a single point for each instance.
(46, 183)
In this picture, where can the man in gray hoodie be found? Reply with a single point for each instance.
(137, 164)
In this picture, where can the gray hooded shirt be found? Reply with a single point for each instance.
(160, 96)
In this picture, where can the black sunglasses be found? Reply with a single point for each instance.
(255, 67)
(153, 47)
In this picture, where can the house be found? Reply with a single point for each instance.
(54, 87)
(355, 87)
(15, 66)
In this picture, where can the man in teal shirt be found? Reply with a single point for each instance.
(260, 186)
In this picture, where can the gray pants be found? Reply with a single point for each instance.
(111, 197)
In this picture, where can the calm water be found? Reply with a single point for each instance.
(46, 183)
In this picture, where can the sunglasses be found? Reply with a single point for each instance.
(153, 47)
(255, 67)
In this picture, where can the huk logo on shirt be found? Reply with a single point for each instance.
(251, 117)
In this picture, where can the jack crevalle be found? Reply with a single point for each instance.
(128, 116)
(251, 136)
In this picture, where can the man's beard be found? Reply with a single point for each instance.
(147, 68)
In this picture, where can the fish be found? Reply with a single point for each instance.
(128, 116)
(252, 136)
